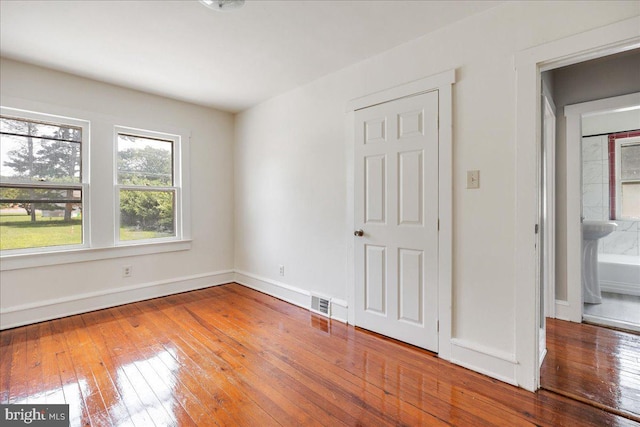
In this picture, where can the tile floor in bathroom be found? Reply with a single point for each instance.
(617, 308)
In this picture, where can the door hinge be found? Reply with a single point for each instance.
(536, 229)
(438, 326)
(438, 224)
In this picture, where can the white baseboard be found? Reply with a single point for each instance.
(490, 362)
(25, 314)
(339, 310)
(493, 363)
(487, 361)
(563, 310)
(290, 294)
(61, 307)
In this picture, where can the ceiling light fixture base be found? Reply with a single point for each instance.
(223, 5)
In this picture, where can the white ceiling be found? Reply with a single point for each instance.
(228, 60)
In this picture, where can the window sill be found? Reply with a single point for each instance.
(20, 261)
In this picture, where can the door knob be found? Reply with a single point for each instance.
(358, 233)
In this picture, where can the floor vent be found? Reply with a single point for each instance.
(320, 305)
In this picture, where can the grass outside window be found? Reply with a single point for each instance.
(18, 232)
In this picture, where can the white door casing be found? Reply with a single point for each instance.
(609, 39)
(396, 207)
(546, 206)
(549, 258)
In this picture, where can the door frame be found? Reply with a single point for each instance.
(549, 111)
(529, 63)
(443, 83)
(546, 216)
(573, 309)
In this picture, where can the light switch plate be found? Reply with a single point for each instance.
(473, 179)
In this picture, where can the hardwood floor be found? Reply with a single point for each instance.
(228, 355)
(593, 364)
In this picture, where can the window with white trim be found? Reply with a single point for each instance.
(50, 214)
(148, 191)
(43, 182)
(627, 176)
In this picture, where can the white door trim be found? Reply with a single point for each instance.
(617, 37)
(550, 229)
(446, 78)
(443, 83)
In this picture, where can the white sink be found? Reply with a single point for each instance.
(593, 230)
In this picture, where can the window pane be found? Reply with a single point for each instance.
(29, 159)
(56, 132)
(41, 155)
(630, 200)
(144, 161)
(630, 161)
(146, 214)
(40, 129)
(37, 225)
(8, 125)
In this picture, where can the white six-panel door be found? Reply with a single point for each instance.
(396, 219)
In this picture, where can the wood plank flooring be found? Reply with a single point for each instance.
(230, 356)
(593, 364)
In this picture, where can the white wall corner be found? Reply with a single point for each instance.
(25, 314)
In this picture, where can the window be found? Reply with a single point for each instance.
(53, 208)
(148, 188)
(43, 184)
(624, 161)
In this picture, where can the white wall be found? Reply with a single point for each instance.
(292, 168)
(595, 178)
(31, 290)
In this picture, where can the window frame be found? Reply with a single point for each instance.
(616, 142)
(100, 173)
(83, 185)
(176, 163)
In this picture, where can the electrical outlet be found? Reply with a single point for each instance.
(281, 270)
(473, 179)
(127, 271)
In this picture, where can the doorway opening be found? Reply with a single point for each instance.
(596, 250)
(597, 244)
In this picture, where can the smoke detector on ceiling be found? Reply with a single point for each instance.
(223, 5)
